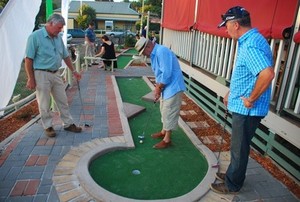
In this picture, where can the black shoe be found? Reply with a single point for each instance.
(50, 132)
(73, 128)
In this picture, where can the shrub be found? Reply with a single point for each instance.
(130, 41)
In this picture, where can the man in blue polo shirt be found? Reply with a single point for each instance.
(249, 95)
(169, 86)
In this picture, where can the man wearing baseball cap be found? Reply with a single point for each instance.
(249, 96)
(169, 86)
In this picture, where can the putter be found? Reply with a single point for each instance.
(222, 139)
(82, 109)
(142, 136)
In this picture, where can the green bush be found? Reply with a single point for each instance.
(130, 41)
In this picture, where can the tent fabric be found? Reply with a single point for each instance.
(16, 24)
(285, 14)
(178, 14)
(297, 37)
(271, 17)
(210, 11)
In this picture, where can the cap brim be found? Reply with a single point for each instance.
(222, 24)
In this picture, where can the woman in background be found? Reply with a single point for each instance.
(107, 51)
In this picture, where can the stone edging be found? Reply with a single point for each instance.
(74, 183)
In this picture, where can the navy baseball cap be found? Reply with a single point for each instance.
(233, 13)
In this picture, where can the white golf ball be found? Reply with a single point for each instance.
(141, 141)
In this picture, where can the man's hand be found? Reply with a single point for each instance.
(31, 84)
(247, 103)
(77, 75)
(157, 93)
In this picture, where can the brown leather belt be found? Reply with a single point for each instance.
(47, 70)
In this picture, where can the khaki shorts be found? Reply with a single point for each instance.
(170, 109)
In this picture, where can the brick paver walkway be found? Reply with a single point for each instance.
(34, 167)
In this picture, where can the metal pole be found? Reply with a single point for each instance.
(141, 28)
(147, 30)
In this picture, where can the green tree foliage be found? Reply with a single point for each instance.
(130, 41)
(155, 6)
(86, 15)
(3, 3)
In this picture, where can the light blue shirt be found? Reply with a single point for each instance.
(167, 71)
(46, 52)
(253, 56)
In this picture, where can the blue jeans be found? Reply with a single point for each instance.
(243, 129)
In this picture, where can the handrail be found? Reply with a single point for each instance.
(32, 96)
(21, 102)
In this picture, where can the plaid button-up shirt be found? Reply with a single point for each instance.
(254, 55)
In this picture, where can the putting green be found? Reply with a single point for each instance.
(131, 51)
(123, 60)
(144, 172)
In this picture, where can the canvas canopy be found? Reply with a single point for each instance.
(17, 22)
(271, 17)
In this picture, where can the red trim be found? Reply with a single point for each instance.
(297, 37)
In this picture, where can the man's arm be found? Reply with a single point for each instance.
(30, 73)
(263, 81)
(70, 66)
(225, 99)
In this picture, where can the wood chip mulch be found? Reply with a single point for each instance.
(217, 129)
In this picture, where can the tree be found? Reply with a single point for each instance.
(3, 3)
(86, 15)
(155, 7)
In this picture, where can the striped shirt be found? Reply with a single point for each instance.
(253, 56)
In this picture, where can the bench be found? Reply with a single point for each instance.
(86, 58)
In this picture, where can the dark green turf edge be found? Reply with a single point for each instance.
(165, 173)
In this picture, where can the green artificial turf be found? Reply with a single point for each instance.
(123, 60)
(131, 51)
(164, 174)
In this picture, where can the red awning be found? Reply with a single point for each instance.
(271, 17)
(297, 37)
(284, 17)
(210, 11)
(178, 14)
